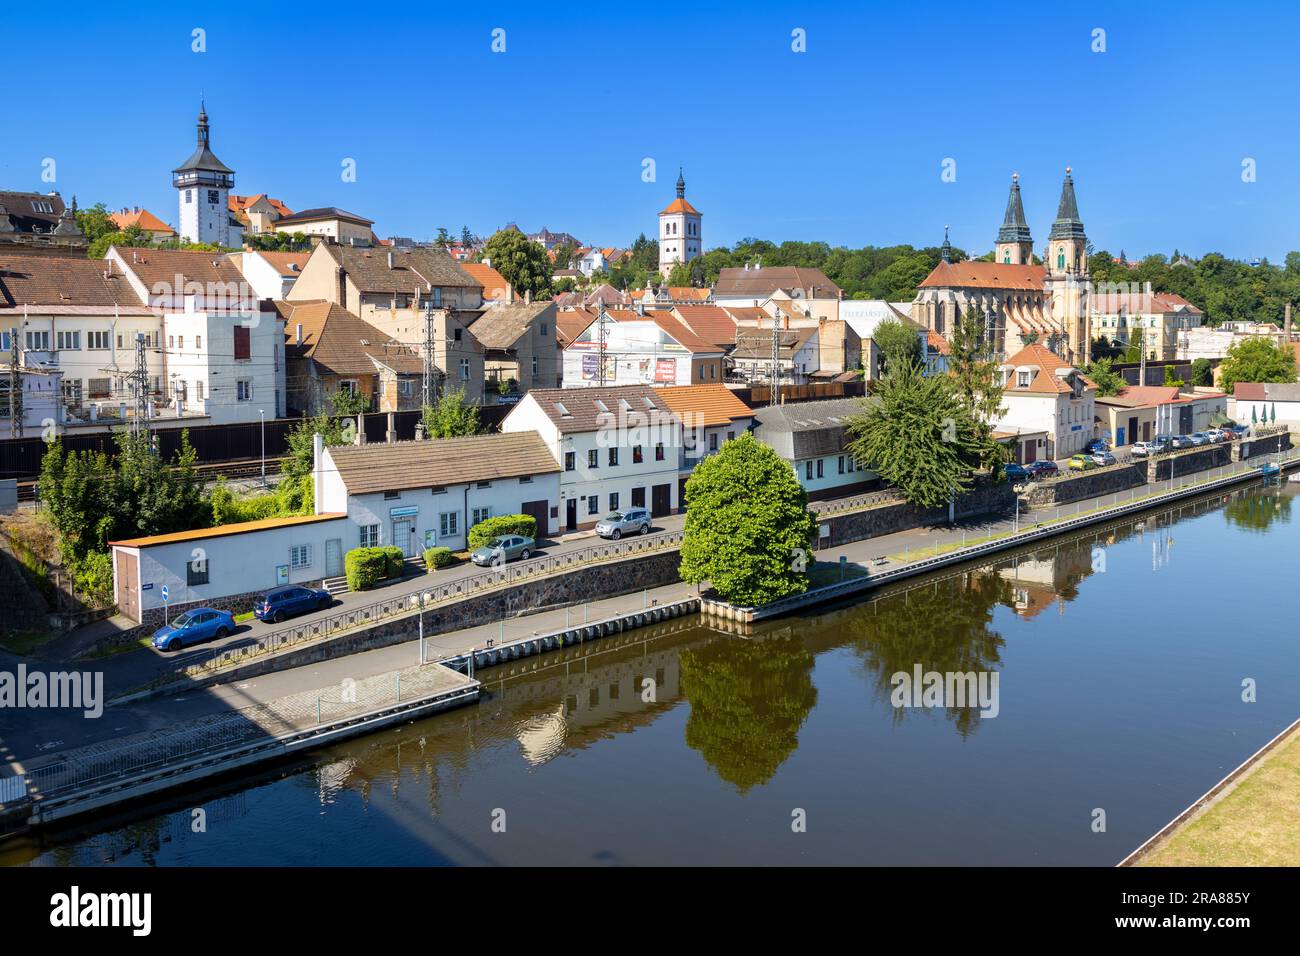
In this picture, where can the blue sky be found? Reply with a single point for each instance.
(843, 143)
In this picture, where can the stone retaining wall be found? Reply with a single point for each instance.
(1086, 484)
(993, 498)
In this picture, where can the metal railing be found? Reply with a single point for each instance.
(834, 506)
(427, 597)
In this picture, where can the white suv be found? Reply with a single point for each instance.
(618, 523)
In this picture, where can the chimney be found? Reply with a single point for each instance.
(297, 334)
(390, 435)
(419, 431)
(528, 297)
(343, 287)
(390, 259)
(1288, 322)
(361, 429)
(317, 470)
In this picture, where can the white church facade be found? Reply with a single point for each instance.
(679, 231)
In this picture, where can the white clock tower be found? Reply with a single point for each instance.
(204, 183)
(679, 231)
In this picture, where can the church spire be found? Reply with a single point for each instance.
(681, 184)
(1014, 228)
(945, 252)
(1068, 225)
(203, 125)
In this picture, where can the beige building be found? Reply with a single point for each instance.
(329, 222)
(393, 289)
(1154, 319)
(259, 214)
(519, 346)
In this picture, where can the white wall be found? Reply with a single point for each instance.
(831, 476)
(633, 352)
(265, 278)
(1288, 413)
(211, 362)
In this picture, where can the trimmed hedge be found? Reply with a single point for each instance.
(485, 531)
(365, 567)
(437, 558)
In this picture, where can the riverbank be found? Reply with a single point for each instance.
(1246, 819)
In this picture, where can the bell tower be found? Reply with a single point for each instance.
(679, 231)
(1014, 246)
(1066, 280)
(203, 184)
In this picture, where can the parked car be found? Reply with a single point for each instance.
(1199, 439)
(618, 523)
(1104, 458)
(1238, 431)
(1016, 472)
(290, 599)
(1096, 445)
(1182, 441)
(503, 548)
(1042, 469)
(197, 624)
(1143, 449)
(1081, 462)
(1216, 435)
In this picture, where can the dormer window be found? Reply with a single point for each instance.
(1022, 378)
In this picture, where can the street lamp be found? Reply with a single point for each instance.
(262, 417)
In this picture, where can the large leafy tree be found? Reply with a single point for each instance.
(1257, 360)
(917, 434)
(95, 221)
(1108, 381)
(132, 236)
(978, 383)
(748, 529)
(451, 416)
(521, 262)
(898, 342)
(296, 491)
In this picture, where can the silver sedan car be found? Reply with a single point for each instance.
(503, 548)
(618, 523)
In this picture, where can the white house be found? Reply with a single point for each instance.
(1042, 393)
(271, 274)
(617, 447)
(225, 567)
(711, 415)
(652, 349)
(813, 438)
(40, 404)
(424, 494)
(1266, 402)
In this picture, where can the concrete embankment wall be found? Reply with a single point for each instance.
(997, 498)
(1087, 484)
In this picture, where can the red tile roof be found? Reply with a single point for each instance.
(985, 275)
(1045, 379)
(126, 218)
(493, 283)
(680, 205)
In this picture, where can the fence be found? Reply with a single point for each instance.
(834, 506)
(427, 596)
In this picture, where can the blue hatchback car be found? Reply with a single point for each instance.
(288, 600)
(198, 624)
(1016, 472)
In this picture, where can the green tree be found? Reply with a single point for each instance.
(1108, 381)
(978, 382)
(899, 343)
(95, 221)
(443, 237)
(680, 274)
(451, 417)
(748, 529)
(467, 238)
(1202, 372)
(917, 433)
(296, 491)
(565, 253)
(1257, 360)
(132, 236)
(522, 263)
(277, 241)
(1172, 380)
(349, 403)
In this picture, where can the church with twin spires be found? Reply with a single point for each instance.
(1019, 300)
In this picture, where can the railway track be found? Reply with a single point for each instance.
(208, 471)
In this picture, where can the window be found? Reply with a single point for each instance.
(198, 389)
(244, 390)
(483, 484)
(479, 514)
(196, 572)
(456, 334)
(544, 330)
(807, 470)
(437, 298)
(189, 195)
(464, 370)
(243, 344)
(534, 364)
(68, 340)
(438, 490)
(97, 387)
(97, 340)
(841, 464)
(659, 451)
(636, 455)
(449, 524)
(370, 536)
(38, 341)
(71, 392)
(593, 458)
(180, 341)
(171, 341)
(214, 197)
(392, 495)
(1022, 379)
(42, 205)
(613, 501)
(300, 556)
(198, 342)
(713, 441)
(405, 387)
(819, 467)
(568, 461)
(526, 479)
(613, 457)
(593, 505)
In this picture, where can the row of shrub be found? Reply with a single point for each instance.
(437, 558)
(365, 567)
(485, 531)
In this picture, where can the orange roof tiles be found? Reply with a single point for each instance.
(1045, 378)
(284, 262)
(710, 322)
(713, 404)
(494, 284)
(985, 275)
(143, 218)
(242, 527)
(680, 205)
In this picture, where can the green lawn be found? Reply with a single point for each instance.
(24, 642)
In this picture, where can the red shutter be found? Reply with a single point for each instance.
(243, 346)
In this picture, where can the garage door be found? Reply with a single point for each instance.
(661, 500)
(541, 510)
(128, 585)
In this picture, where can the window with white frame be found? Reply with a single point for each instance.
(68, 340)
(244, 390)
(449, 524)
(97, 340)
(464, 370)
(300, 556)
(479, 514)
(38, 340)
(369, 535)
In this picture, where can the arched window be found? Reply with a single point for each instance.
(1060, 258)
(1006, 258)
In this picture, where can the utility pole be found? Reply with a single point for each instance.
(139, 378)
(15, 388)
(1142, 356)
(774, 398)
(602, 335)
(430, 384)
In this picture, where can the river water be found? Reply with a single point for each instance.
(1122, 661)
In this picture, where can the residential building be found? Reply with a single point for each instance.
(396, 290)
(1139, 413)
(39, 404)
(39, 224)
(1153, 319)
(222, 347)
(496, 289)
(711, 415)
(711, 323)
(755, 284)
(258, 215)
(82, 317)
(329, 223)
(1266, 402)
(158, 230)
(1018, 300)
(271, 274)
(424, 494)
(798, 355)
(227, 567)
(680, 239)
(329, 350)
(520, 350)
(813, 438)
(1043, 393)
(864, 315)
(203, 185)
(617, 447)
(651, 349)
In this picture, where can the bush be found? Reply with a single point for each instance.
(92, 576)
(365, 567)
(485, 531)
(437, 558)
(393, 555)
